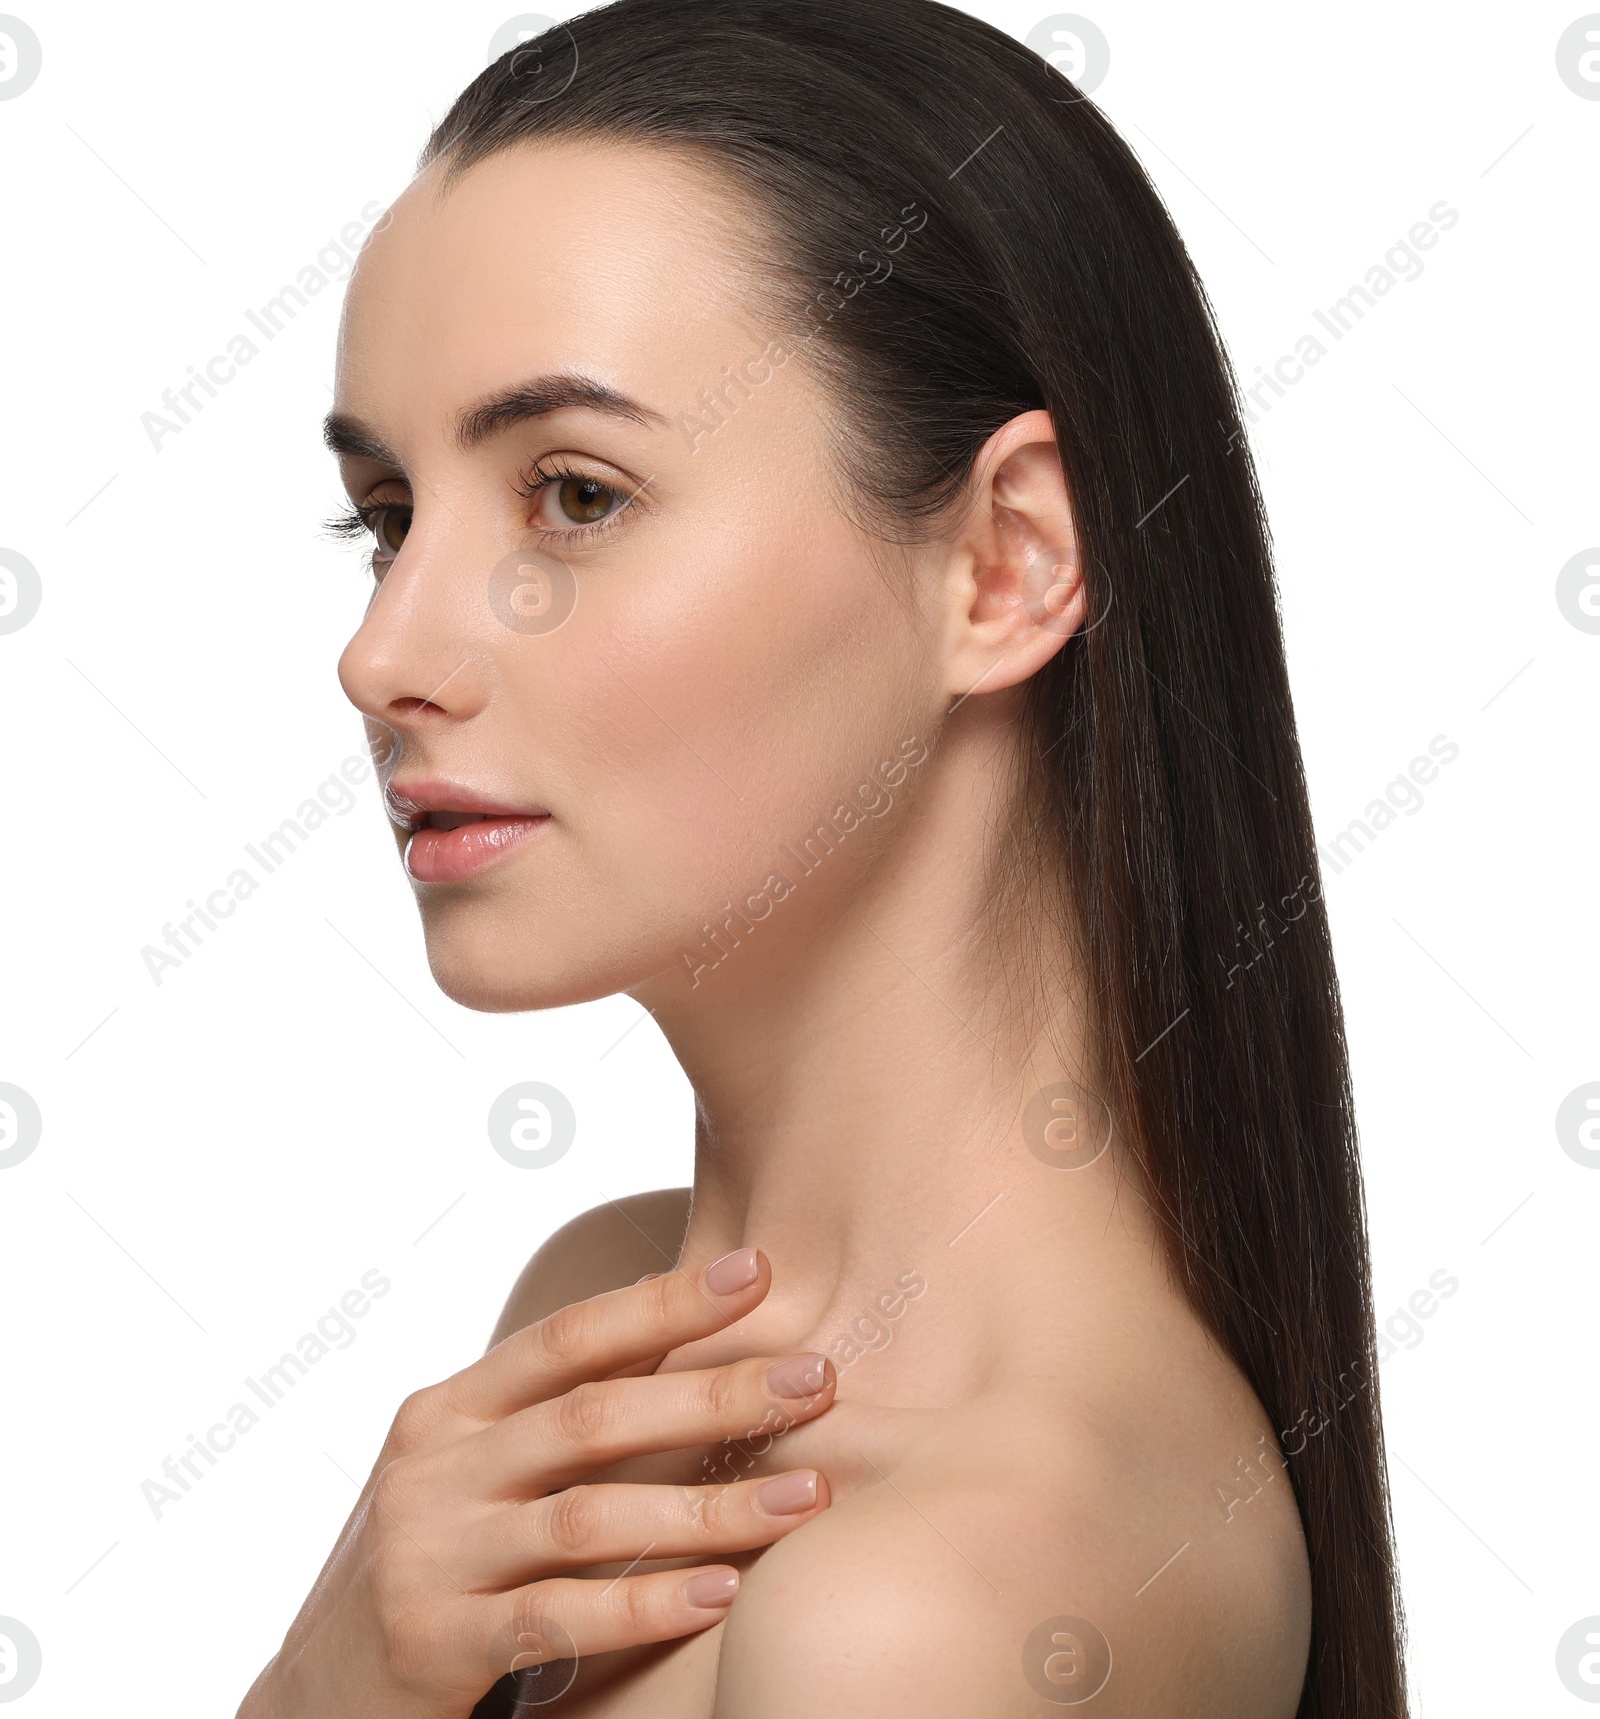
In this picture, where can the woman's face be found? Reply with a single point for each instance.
(649, 629)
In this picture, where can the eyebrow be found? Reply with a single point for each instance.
(517, 404)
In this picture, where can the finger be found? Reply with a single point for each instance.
(622, 1523)
(591, 1339)
(570, 1618)
(600, 1422)
(639, 1368)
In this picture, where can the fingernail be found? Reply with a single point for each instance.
(788, 1493)
(736, 1270)
(712, 1588)
(799, 1376)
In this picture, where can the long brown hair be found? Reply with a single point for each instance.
(963, 238)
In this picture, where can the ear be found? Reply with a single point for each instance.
(1013, 589)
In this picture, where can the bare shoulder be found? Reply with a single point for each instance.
(604, 1248)
(1043, 1566)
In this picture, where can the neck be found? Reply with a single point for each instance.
(863, 1071)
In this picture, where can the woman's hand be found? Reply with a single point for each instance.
(452, 1568)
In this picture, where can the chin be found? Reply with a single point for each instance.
(494, 971)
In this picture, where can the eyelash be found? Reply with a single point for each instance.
(349, 521)
(551, 470)
(352, 521)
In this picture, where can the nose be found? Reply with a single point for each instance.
(417, 665)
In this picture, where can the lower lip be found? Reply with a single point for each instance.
(449, 856)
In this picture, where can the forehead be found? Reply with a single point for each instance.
(615, 262)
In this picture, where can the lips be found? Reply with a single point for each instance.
(455, 832)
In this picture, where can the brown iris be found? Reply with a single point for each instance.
(389, 529)
(584, 501)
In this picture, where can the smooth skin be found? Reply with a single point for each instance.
(1045, 1429)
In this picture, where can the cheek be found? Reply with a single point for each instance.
(721, 704)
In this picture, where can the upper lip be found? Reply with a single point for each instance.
(410, 804)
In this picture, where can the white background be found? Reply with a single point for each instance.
(224, 1155)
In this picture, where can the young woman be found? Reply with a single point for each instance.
(822, 591)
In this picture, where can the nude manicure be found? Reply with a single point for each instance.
(712, 1588)
(734, 1271)
(788, 1494)
(799, 1376)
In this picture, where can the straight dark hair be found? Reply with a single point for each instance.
(1032, 264)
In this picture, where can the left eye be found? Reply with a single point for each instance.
(583, 501)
